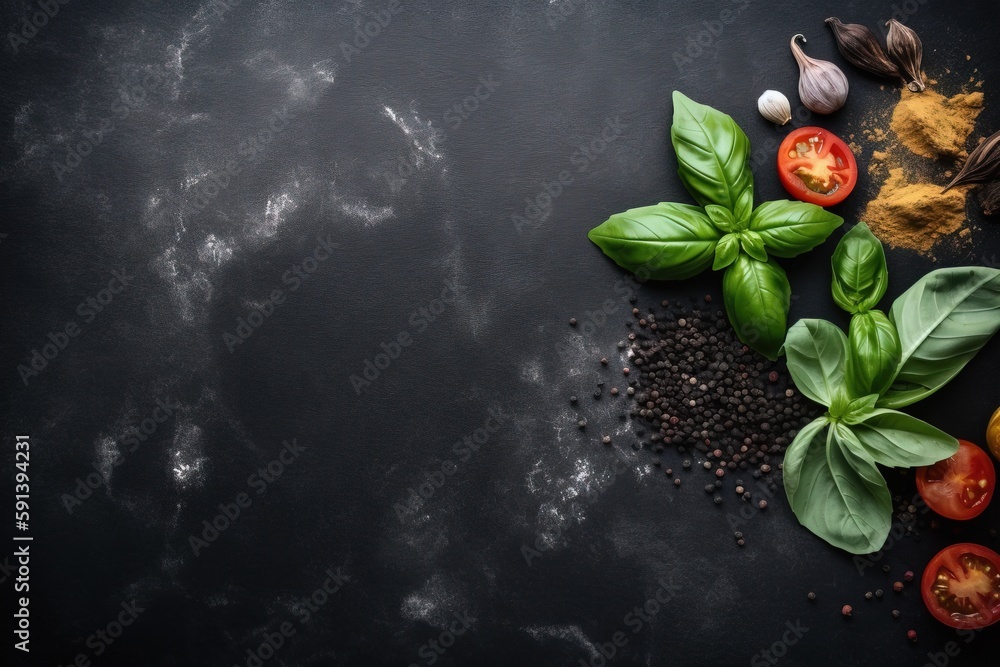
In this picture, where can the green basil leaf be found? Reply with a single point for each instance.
(753, 245)
(721, 217)
(668, 241)
(816, 352)
(712, 156)
(836, 490)
(875, 353)
(943, 320)
(859, 409)
(897, 439)
(790, 228)
(757, 297)
(860, 277)
(726, 251)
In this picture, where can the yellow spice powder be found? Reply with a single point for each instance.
(932, 125)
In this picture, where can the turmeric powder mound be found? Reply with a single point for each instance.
(932, 125)
(915, 215)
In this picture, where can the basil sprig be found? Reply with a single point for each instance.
(933, 329)
(676, 241)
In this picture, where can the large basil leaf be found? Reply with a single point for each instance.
(875, 353)
(669, 241)
(897, 439)
(790, 228)
(816, 352)
(860, 277)
(712, 156)
(943, 320)
(836, 490)
(757, 297)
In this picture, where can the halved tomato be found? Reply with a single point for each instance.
(961, 586)
(816, 166)
(960, 486)
(993, 434)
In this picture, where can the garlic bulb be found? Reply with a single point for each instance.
(774, 106)
(822, 86)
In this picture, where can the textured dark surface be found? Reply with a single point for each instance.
(420, 200)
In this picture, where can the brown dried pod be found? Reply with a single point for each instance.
(905, 48)
(982, 166)
(860, 47)
(989, 198)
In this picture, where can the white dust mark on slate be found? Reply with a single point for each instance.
(569, 633)
(422, 135)
(531, 372)
(215, 251)
(188, 285)
(106, 451)
(369, 215)
(473, 308)
(435, 603)
(303, 85)
(193, 32)
(187, 456)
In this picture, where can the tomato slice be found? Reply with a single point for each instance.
(960, 486)
(816, 166)
(993, 434)
(961, 586)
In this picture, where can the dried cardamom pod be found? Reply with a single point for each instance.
(905, 48)
(982, 166)
(989, 198)
(822, 86)
(860, 47)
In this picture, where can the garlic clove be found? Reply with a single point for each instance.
(822, 86)
(774, 106)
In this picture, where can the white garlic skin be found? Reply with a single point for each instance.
(822, 86)
(774, 106)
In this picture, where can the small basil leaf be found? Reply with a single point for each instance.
(712, 156)
(667, 241)
(816, 352)
(875, 353)
(726, 251)
(859, 409)
(899, 440)
(753, 245)
(790, 228)
(835, 489)
(757, 297)
(860, 277)
(721, 217)
(943, 320)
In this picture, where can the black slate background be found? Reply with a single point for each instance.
(226, 71)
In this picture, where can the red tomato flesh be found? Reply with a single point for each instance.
(816, 166)
(960, 486)
(961, 586)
